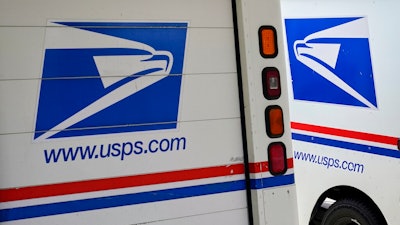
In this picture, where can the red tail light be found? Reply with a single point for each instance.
(277, 158)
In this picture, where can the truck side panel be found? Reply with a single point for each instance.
(184, 166)
(339, 138)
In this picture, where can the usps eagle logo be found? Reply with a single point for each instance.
(330, 61)
(110, 77)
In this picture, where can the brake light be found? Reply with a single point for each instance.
(268, 42)
(271, 83)
(277, 162)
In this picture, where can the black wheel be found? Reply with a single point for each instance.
(350, 212)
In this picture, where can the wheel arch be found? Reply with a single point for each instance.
(342, 192)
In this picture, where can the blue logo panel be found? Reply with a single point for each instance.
(330, 61)
(101, 78)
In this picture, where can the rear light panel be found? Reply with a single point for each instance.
(271, 83)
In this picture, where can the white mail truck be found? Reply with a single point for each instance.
(144, 112)
(345, 109)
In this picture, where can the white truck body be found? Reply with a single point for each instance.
(344, 104)
(131, 112)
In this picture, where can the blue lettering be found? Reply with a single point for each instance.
(151, 149)
(89, 152)
(102, 155)
(124, 152)
(52, 156)
(138, 148)
(164, 145)
(72, 153)
(116, 149)
(120, 150)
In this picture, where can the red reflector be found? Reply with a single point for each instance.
(277, 158)
(271, 83)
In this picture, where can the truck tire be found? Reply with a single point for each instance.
(350, 212)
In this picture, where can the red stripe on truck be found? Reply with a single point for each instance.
(22, 193)
(345, 133)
